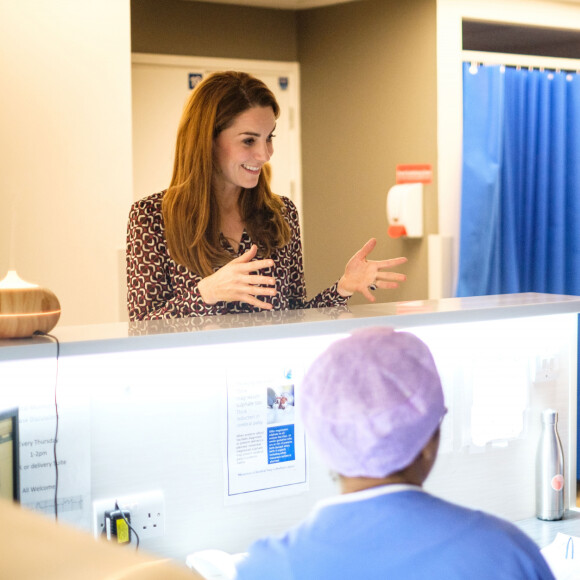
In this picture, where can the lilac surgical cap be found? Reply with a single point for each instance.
(372, 401)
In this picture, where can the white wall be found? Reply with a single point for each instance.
(558, 14)
(65, 149)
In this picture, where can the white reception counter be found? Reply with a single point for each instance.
(178, 410)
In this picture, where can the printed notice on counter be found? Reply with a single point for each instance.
(266, 455)
(65, 476)
(54, 435)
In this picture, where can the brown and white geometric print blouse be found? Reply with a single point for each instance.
(159, 288)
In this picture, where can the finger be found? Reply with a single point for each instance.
(258, 290)
(249, 267)
(259, 265)
(367, 294)
(248, 299)
(391, 263)
(386, 285)
(256, 279)
(366, 249)
(393, 276)
(247, 256)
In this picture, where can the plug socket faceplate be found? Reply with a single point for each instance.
(147, 513)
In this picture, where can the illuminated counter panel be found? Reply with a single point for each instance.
(146, 407)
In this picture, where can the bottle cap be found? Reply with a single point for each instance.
(549, 416)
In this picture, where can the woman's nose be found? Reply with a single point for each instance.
(265, 152)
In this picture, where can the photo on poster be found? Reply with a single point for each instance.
(280, 404)
(266, 453)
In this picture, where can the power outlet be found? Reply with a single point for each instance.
(545, 369)
(147, 513)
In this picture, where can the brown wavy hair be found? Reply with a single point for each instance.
(190, 210)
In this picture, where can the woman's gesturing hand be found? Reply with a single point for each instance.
(360, 274)
(239, 281)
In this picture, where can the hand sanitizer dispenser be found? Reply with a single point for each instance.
(405, 210)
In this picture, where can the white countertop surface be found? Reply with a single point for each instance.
(543, 533)
(269, 325)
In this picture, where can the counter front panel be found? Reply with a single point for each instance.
(207, 413)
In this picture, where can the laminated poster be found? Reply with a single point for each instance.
(39, 472)
(51, 476)
(266, 454)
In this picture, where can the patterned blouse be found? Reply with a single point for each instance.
(159, 288)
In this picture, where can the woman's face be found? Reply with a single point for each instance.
(243, 148)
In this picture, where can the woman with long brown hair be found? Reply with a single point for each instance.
(218, 240)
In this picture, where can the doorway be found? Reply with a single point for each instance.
(161, 84)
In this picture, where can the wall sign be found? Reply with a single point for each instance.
(193, 80)
(418, 173)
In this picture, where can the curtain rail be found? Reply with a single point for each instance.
(522, 60)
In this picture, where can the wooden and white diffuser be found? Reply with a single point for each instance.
(26, 308)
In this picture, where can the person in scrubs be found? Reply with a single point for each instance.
(372, 404)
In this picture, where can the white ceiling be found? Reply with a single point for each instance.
(282, 4)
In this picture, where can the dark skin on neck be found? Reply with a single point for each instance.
(414, 474)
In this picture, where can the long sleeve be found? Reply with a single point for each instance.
(151, 289)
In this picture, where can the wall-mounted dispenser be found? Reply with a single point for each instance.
(405, 210)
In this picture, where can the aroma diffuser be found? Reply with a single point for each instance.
(26, 308)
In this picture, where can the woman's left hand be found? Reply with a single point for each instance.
(361, 274)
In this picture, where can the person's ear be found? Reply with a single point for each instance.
(429, 452)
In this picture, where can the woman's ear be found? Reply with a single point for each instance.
(429, 452)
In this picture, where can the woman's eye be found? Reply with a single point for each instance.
(249, 141)
(271, 138)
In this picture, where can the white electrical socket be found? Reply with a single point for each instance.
(147, 513)
(546, 369)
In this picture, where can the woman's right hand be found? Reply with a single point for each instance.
(238, 281)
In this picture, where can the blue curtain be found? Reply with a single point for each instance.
(520, 200)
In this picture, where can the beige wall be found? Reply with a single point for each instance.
(368, 73)
(368, 83)
(65, 149)
(218, 30)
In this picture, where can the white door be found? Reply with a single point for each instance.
(162, 84)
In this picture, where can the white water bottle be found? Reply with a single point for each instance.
(550, 470)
